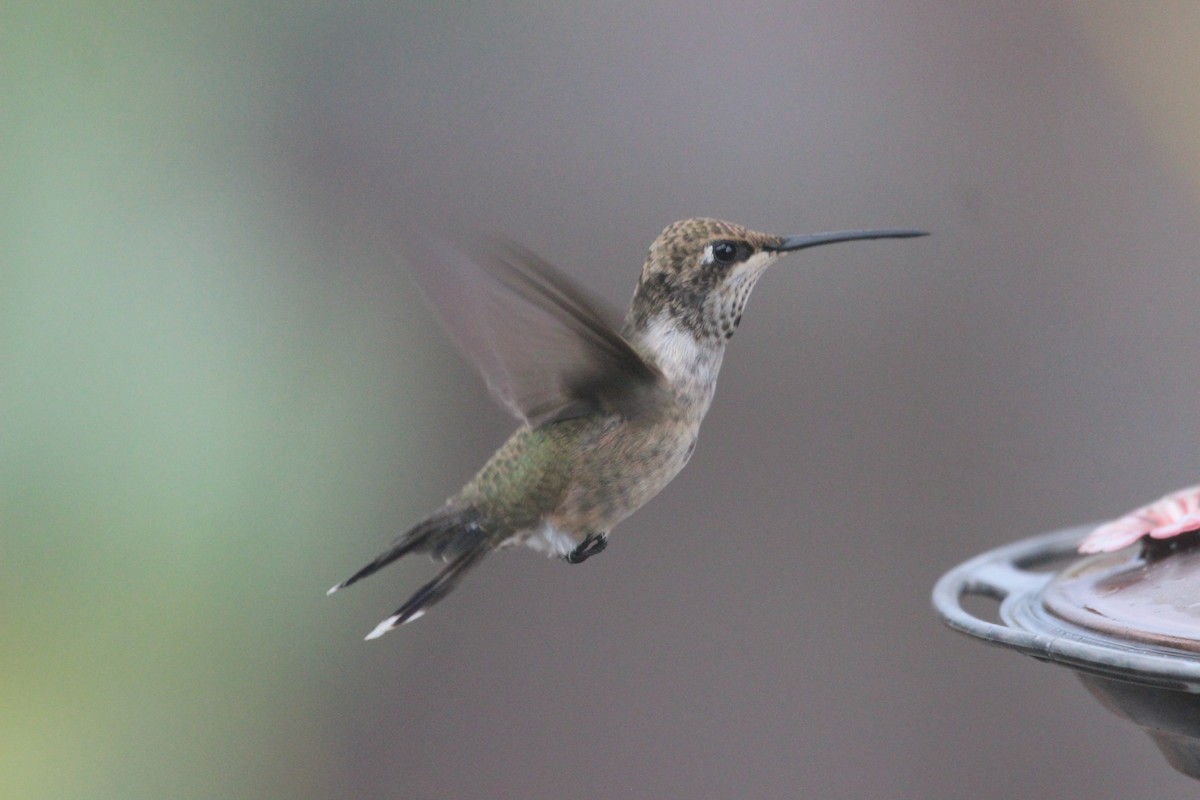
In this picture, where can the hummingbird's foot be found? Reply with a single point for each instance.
(594, 543)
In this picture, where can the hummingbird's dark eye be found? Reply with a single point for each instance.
(724, 252)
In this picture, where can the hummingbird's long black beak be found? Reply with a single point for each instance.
(790, 243)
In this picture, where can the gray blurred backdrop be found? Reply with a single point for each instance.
(220, 391)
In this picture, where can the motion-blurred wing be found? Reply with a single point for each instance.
(546, 350)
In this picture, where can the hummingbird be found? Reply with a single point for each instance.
(609, 410)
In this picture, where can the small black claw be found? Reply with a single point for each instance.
(594, 543)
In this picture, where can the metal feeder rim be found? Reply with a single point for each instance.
(1007, 574)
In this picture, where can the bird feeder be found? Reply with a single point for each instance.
(1127, 623)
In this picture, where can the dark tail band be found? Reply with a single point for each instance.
(450, 534)
(432, 592)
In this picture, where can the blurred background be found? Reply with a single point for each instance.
(220, 391)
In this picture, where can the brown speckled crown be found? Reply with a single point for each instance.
(680, 240)
(675, 282)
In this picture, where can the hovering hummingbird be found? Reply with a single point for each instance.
(609, 412)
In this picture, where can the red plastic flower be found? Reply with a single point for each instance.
(1178, 512)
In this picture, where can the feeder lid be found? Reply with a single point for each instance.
(1147, 596)
(1127, 623)
(1132, 614)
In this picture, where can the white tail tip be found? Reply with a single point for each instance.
(390, 624)
(382, 628)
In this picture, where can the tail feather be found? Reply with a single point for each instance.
(452, 534)
(401, 548)
(443, 535)
(435, 590)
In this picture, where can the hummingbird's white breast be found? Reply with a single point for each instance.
(689, 365)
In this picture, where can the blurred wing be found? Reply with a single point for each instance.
(546, 350)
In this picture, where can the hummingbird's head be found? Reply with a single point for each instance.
(699, 272)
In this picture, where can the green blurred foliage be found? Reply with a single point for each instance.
(191, 400)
